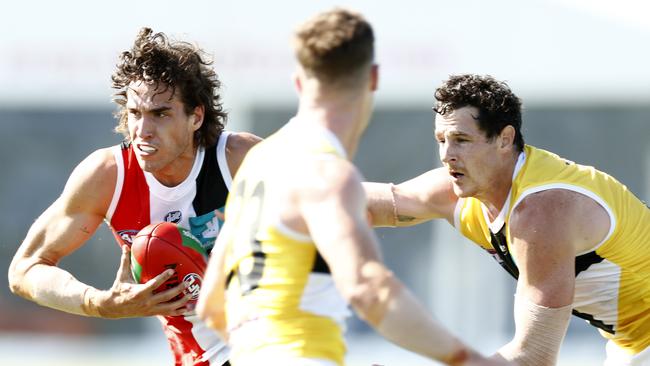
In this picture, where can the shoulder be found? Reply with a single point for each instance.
(99, 165)
(237, 146)
(241, 142)
(324, 176)
(560, 215)
(542, 209)
(92, 182)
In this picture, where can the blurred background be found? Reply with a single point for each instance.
(580, 66)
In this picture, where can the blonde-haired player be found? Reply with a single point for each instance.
(296, 248)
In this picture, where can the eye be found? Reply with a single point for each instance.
(133, 113)
(162, 114)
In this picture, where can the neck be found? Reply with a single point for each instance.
(345, 115)
(178, 170)
(495, 198)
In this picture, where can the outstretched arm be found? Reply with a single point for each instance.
(64, 227)
(420, 199)
(336, 220)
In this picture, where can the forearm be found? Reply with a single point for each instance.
(409, 325)
(539, 333)
(394, 312)
(381, 204)
(56, 288)
(210, 305)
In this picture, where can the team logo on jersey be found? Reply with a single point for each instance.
(127, 235)
(193, 282)
(206, 228)
(174, 216)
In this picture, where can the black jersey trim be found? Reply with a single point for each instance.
(582, 263)
(320, 266)
(211, 190)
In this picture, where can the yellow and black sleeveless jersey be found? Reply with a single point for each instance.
(281, 298)
(612, 289)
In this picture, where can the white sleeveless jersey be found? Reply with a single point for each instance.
(139, 200)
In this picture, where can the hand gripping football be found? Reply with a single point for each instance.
(164, 245)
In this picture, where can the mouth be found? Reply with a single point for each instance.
(456, 175)
(146, 149)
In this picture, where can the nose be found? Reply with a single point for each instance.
(447, 154)
(146, 127)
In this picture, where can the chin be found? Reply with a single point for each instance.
(146, 166)
(462, 193)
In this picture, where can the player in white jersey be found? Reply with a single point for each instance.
(175, 165)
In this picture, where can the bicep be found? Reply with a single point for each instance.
(428, 196)
(58, 232)
(73, 218)
(544, 252)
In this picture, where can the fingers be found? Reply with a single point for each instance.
(220, 215)
(169, 293)
(173, 302)
(157, 281)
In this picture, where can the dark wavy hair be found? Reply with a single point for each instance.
(497, 105)
(181, 66)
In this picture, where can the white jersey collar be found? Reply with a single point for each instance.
(173, 193)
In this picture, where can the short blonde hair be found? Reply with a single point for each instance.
(335, 45)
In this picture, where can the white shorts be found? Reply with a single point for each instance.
(616, 356)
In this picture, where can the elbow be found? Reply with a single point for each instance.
(16, 278)
(19, 273)
(371, 295)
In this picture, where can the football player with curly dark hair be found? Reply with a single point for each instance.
(574, 237)
(176, 164)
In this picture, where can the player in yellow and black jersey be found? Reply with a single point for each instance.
(296, 248)
(577, 240)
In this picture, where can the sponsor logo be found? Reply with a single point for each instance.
(174, 216)
(205, 228)
(127, 236)
(193, 282)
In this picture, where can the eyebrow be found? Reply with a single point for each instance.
(152, 110)
(452, 133)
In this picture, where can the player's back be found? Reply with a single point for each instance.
(281, 299)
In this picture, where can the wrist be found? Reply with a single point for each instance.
(91, 300)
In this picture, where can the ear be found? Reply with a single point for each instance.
(374, 77)
(507, 137)
(198, 114)
(297, 83)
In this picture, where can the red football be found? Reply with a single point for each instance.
(164, 245)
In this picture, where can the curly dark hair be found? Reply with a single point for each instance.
(497, 105)
(181, 66)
